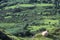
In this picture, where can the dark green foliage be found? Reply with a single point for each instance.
(29, 1)
(25, 33)
(4, 36)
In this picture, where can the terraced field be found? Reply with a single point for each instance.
(21, 17)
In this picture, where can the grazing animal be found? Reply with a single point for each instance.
(44, 33)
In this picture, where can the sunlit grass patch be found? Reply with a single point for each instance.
(48, 21)
(44, 4)
(8, 17)
(35, 28)
(25, 5)
(11, 7)
(18, 6)
(49, 17)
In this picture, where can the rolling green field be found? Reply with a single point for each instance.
(32, 17)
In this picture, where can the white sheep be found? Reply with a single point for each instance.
(44, 33)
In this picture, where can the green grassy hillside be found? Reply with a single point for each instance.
(16, 18)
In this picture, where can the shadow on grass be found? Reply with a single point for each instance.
(4, 36)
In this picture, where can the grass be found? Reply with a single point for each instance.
(8, 17)
(48, 21)
(27, 5)
(8, 25)
(44, 5)
(11, 28)
(15, 28)
(35, 28)
(42, 38)
(50, 17)
(18, 6)
(10, 7)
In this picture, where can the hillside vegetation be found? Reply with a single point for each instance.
(25, 19)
